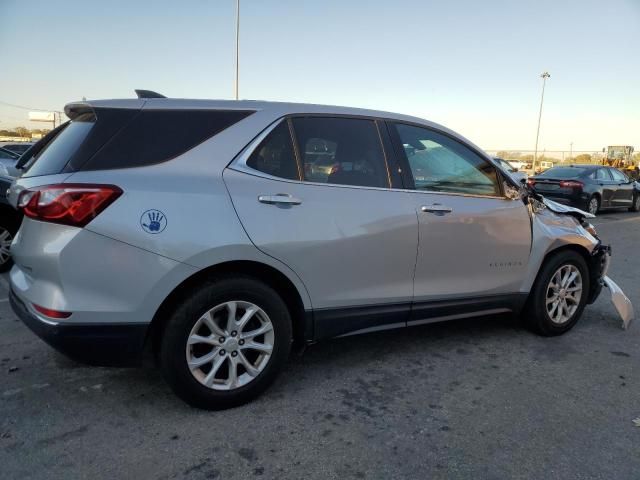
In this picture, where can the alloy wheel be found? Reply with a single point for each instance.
(593, 206)
(5, 245)
(564, 293)
(230, 345)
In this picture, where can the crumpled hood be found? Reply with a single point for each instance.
(560, 208)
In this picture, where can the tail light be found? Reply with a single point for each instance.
(531, 182)
(67, 204)
(571, 184)
(48, 312)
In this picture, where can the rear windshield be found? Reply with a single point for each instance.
(121, 138)
(53, 158)
(563, 172)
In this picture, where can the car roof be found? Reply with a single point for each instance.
(281, 108)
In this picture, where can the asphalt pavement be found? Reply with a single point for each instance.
(477, 398)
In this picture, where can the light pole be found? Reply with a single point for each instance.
(571, 151)
(544, 76)
(237, 46)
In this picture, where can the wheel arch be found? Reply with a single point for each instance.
(580, 249)
(301, 319)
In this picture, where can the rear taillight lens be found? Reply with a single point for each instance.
(51, 313)
(68, 204)
(531, 182)
(571, 184)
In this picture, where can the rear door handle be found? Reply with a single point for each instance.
(279, 199)
(437, 209)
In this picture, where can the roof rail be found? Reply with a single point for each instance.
(148, 94)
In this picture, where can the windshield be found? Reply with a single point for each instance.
(563, 172)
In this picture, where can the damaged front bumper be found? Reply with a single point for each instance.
(620, 302)
(600, 259)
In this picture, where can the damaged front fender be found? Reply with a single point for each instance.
(555, 225)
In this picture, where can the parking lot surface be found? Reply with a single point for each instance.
(479, 398)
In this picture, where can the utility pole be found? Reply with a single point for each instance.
(544, 77)
(237, 46)
(571, 151)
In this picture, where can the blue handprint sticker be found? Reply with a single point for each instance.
(153, 221)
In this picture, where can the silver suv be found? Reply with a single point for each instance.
(219, 234)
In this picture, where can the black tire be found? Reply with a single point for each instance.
(535, 313)
(173, 360)
(6, 229)
(589, 207)
(635, 204)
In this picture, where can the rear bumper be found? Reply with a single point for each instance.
(96, 344)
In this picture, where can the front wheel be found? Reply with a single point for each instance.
(559, 294)
(226, 343)
(635, 205)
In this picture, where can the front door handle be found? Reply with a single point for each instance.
(279, 199)
(436, 208)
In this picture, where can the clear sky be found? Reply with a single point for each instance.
(472, 65)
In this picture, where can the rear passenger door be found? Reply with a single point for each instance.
(314, 192)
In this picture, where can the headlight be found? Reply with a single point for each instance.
(591, 229)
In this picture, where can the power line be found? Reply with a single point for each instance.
(27, 108)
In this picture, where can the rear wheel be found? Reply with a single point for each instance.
(635, 204)
(6, 237)
(559, 294)
(593, 205)
(226, 343)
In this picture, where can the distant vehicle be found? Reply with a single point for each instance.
(10, 220)
(512, 170)
(518, 164)
(543, 165)
(619, 156)
(588, 187)
(17, 147)
(8, 160)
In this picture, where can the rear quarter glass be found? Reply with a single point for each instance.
(111, 138)
(155, 136)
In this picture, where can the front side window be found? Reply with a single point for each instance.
(440, 164)
(341, 151)
(618, 176)
(274, 156)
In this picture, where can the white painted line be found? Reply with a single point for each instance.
(4, 300)
(4, 283)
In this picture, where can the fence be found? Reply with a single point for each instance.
(555, 156)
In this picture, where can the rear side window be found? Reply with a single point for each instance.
(341, 151)
(600, 174)
(111, 138)
(275, 156)
(155, 136)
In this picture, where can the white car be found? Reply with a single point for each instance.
(512, 170)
